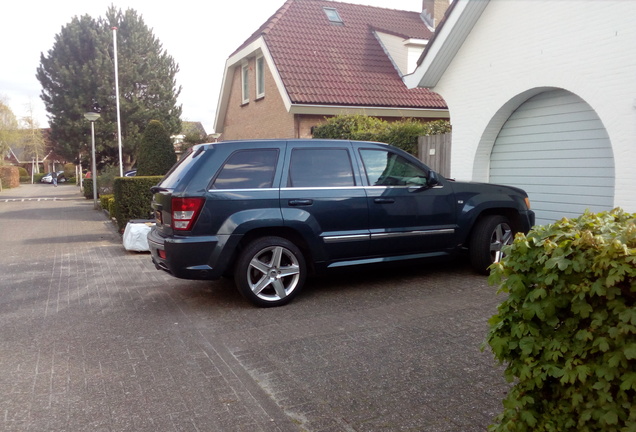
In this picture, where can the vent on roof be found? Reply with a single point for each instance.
(333, 16)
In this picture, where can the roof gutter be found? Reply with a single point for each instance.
(330, 110)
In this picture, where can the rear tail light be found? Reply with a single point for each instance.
(184, 212)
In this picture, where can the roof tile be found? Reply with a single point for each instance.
(327, 64)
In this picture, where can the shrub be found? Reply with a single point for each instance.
(105, 201)
(156, 151)
(402, 134)
(37, 177)
(106, 179)
(9, 176)
(133, 198)
(23, 172)
(354, 127)
(567, 330)
(69, 170)
(88, 188)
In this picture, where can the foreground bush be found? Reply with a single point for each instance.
(567, 330)
(133, 198)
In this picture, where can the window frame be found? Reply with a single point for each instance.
(261, 153)
(321, 168)
(410, 171)
(245, 83)
(260, 77)
(333, 16)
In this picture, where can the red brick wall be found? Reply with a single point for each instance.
(259, 118)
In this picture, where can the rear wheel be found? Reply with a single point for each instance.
(490, 235)
(270, 271)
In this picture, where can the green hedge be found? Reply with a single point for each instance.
(567, 330)
(402, 134)
(133, 198)
(107, 201)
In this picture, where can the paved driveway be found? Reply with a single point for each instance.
(93, 338)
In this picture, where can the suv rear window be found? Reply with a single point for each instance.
(320, 168)
(248, 169)
(179, 169)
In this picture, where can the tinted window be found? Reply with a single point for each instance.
(248, 169)
(180, 168)
(320, 168)
(384, 168)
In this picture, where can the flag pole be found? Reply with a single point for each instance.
(121, 163)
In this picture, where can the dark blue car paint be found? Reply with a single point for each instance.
(333, 226)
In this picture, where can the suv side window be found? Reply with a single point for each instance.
(384, 168)
(248, 169)
(323, 167)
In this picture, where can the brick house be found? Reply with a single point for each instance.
(557, 99)
(314, 59)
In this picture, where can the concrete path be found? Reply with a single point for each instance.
(93, 338)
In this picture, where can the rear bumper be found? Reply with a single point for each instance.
(188, 257)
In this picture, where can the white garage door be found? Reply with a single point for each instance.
(556, 148)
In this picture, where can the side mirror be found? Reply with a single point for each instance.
(433, 180)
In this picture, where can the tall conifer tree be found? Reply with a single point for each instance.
(78, 72)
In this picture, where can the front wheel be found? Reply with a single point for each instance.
(270, 271)
(490, 235)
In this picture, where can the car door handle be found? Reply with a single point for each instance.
(384, 200)
(300, 202)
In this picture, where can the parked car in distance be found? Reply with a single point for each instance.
(48, 177)
(131, 173)
(271, 212)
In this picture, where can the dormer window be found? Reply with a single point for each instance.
(333, 16)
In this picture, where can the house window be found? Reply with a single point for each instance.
(333, 16)
(245, 83)
(260, 77)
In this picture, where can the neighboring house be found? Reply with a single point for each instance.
(542, 95)
(314, 59)
(18, 156)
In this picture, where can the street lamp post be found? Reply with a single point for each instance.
(92, 117)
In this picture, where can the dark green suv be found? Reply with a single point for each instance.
(270, 212)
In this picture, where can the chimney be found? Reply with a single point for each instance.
(433, 11)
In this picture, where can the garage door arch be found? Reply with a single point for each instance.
(555, 146)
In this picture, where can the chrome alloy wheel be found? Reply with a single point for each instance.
(273, 273)
(501, 236)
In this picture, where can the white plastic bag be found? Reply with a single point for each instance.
(136, 236)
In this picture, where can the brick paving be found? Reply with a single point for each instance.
(93, 338)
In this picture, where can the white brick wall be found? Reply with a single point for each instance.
(520, 48)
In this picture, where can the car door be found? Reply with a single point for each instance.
(323, 198)
(406, 214)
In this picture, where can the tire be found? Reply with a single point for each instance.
(490, 234)
(270, 271)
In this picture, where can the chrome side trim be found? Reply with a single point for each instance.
(242, 190)
(379, 236)
(346, 238)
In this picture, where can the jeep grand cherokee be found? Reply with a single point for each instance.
(270, 212)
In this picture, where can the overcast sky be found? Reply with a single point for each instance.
(200, 36)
